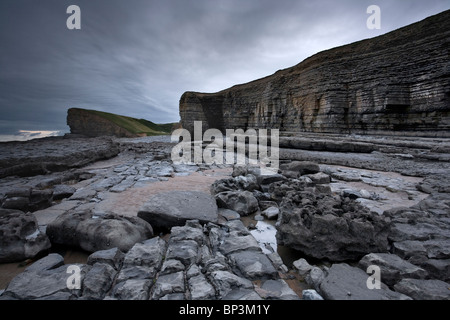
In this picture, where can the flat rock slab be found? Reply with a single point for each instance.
(344, 282)
(169, 209)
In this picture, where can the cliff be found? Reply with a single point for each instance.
(93, 123)
(397, 83)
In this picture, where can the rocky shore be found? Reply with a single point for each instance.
(155, 230)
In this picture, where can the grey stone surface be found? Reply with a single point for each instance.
(187, 266)
(242, 202)
(43, 280)
(277, 290)
(315, 277)
(20, 236)
(344, 282)
(185, 251)
(229, 214)
(113, 257)
(271, 213)
(98, 281)
(51, 261)
(319, 178)
(424, 289)
(200, 288)
(321, 225)
(392, 267)
(62, 191)
(302, 266)
(311, 294)
(133, 289)
(148, 253)
(299, 168)
(226, 281)
(168, 284)
(98, 232)
(438, 269)
(171, 266)
(254, 265)
(234, 242)
(169, 209)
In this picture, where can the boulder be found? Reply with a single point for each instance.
(277, 290)
(392, 267)
(98, 232)
(16, 203)
(311, 294)
(168, 209)
(319, 178)
(254, 265)
(44, 279)
(344, 282)
(228, 214)
(295, 169)
(438, 269)
(424, 289)
(20, 236)
(271, 213)
(331, 227)
(242, 202)
(315, 277)
(302, 266)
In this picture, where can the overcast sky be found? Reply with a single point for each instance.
(137, 57)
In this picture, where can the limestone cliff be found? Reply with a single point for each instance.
(397, 83)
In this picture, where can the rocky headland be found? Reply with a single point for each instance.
(93, 123)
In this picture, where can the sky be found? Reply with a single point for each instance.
(137, 57)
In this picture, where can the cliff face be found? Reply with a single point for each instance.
(89, 124)
(398, 83)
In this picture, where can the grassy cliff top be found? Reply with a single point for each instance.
(135, 126)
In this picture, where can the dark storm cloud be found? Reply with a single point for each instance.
(137, 57)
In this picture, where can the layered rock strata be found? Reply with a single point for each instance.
(395, 84)
(43, 156)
